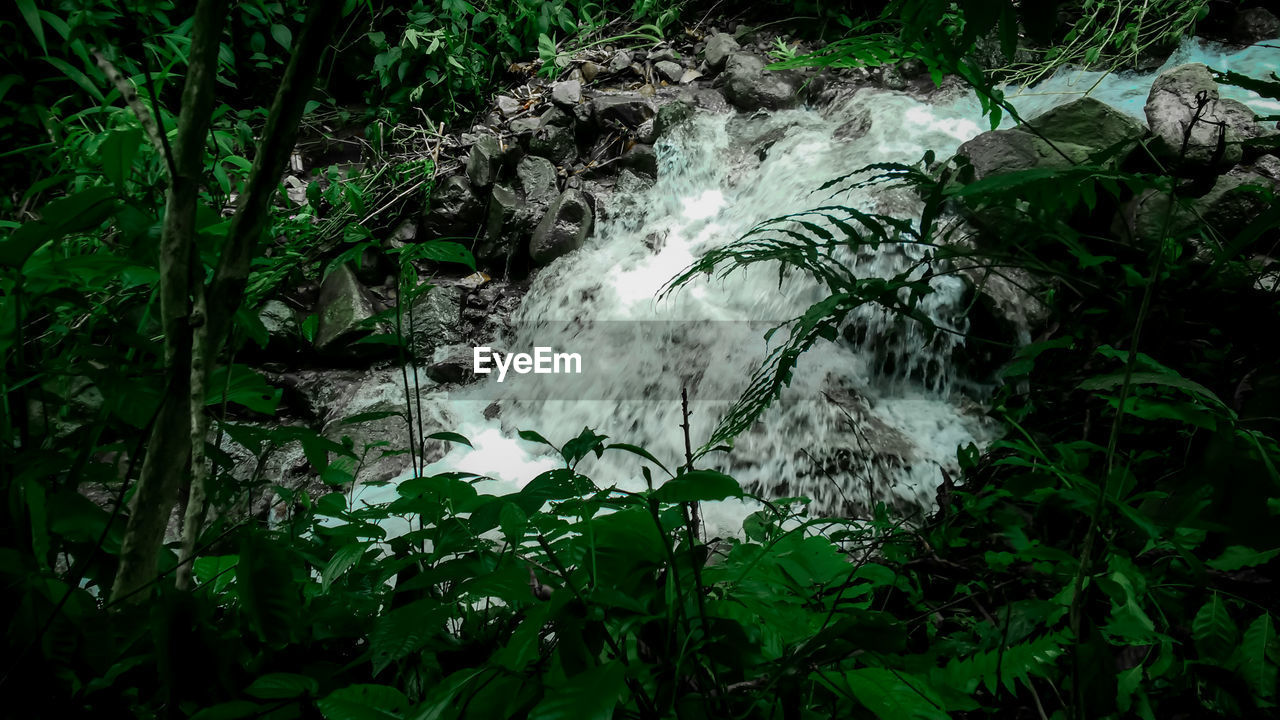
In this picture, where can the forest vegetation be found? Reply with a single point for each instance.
(1113, 555)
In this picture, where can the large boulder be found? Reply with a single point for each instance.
(1063, 136)
(1187, 117)
(453, 209)
(625, 109)
(719, 47)
(749, 86)
(537, 178)
(484, 161)
(555, 143)
(435, 320)
(563, 229)
(344, 307)
(1256, 24)
(504, 228)
(1234, 200)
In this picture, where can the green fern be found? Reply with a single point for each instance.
(1015, 665)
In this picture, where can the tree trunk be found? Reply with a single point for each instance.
(169, 449)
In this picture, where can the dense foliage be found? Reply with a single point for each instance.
(1113, 556)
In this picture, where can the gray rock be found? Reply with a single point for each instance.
(563, 229)
(508, 105)
(453, 208)
(436, 320)
(503, 230)
(628, 109)
(1256, 24)
(343, 307)
(1172, 107)
(555, 116)
(525, 126)
(620, 61)
(1073, 131)
(856, 127)
(673, 114)
(589, 71)
(484, 161)
(661, 55)
(672, 71)
(749, 86)
(280, 321)
(647, 132)
(1232, 202)
(453, 364)
(567, 93)
(1267, 166)
(719, 47)
(642, 159)
(554, 143)
(537, 178)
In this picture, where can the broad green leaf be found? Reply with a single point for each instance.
(893, 695)
(1260, 652)
(404, 631)
(590, 695)
(364, 702)
(636, 450)
(218, 569)
(31, 14)
(450, 437)
(1237, 556)
(282, 686)
(82, 211)
(343, 560)
(698, 485)
(117, 153)
(282, 35)
(1213, 630)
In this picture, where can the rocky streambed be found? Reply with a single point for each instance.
(580, 197)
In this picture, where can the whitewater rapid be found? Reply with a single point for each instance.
(602, 302)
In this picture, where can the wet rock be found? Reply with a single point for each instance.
(436, 320)
(642, 159)
(503, 229)
(1174, 104)
(673, 114)
(563, 229)
(620, 61)
(749, 86)
(719, 47)
(856, 127)
(524, 127)
(343, 307)
(1074, 132)
(627, 109)
(484, 161)
(1267, 166)
(1256, 24)
(537, 178)
(453, 364)
(647, 132)
(453, 208)
(508, 105)
(892, 78)
(672, 71)
(554, 143)
(280, 322)
(555, 116)
(566, 94)
(1233, 201)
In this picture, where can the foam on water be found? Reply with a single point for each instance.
(897, 381)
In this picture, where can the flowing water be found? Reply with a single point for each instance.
(911, 408)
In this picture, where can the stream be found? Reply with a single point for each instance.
(719, 176)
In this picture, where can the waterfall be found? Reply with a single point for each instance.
(720, 175)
